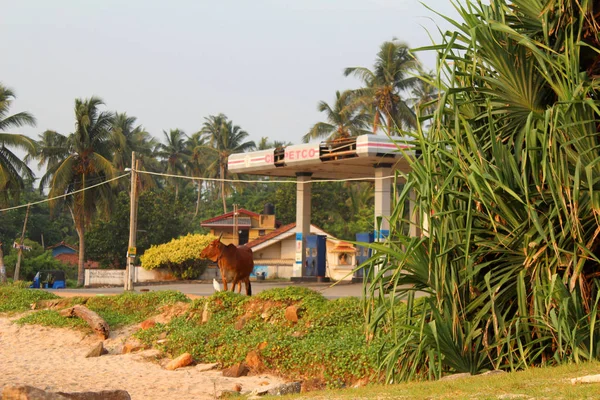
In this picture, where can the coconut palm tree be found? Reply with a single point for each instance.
(225, 139)
(13, 170)
(83, 161)
(175, 154)
(198, 162)
(385, 86)
(343, 120)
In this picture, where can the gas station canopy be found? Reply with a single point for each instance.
(355, 157)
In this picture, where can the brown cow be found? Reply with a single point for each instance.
(235, 263)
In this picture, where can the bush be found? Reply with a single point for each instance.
(181, 256)
(14, 298)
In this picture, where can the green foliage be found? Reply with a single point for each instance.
(36, 260)
(327, 344)
(130, 308)
(507, 184)
(160, 218)
(181, 256)
(15, 298)
(54, 319)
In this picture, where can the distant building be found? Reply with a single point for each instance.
(250, 225)
(68, 254)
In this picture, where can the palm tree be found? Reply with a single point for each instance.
(197, 163)
(425, 95)
(84, 159)
(127, 137)
(224, 138)
(266, 144)
(175, 154)
(343, 120)
(385, 85)
(13, 170)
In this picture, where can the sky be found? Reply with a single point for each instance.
(264, 63)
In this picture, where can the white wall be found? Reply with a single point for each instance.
(116, 277)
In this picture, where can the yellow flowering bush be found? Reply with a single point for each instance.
(181, 256)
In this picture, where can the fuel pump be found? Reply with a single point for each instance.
(362, 254)
(316, 255)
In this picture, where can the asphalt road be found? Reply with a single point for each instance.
(193, 289)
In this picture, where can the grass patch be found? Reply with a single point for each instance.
(54, 319)
(327, 344)
(538, 383)
(14, 298)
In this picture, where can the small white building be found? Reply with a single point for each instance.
(275, 254)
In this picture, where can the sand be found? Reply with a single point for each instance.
(53, 359)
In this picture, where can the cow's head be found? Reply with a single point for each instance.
(213, 250)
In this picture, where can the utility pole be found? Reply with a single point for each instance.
(2, 267)
(18, 266)
(131, 250)
(236, 238)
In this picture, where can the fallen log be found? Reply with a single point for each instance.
(94, 320)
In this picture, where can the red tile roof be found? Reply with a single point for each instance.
(229, 215)
(271, 235)
(62, 244)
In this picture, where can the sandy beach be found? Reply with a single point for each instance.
(54, 359)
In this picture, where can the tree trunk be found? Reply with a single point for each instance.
(222, 173)
(2, 267)
(20, 255)
(94, 320)
(81, 263)
(199, 183)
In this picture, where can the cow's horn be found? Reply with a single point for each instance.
(220, 236)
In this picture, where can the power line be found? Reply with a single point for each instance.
(66, 194)
(196, 178)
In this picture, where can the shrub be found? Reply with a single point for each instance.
(15, 298)
(181, 256)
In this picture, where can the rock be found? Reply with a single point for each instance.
(493, 372)
(162, 335)
(32, 393)
(147, 324)
(286, 388)
(205, 313)
(455, 376)
(241, 322)
(21, 392)
(168, 312)
(263, 345)
(291, 313)
(237, 387)
(97, 351)
(253, 360)
(236, 371)
(182, 361)
(133, 345)
(102, 395)
(206, 367)
(586, 379)
(361, 382)
(146, 355)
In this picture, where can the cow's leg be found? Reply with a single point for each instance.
(248, 286)
(224, 282)
(240, 287)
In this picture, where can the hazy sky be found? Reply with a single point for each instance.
(264, 63)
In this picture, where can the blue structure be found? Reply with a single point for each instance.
(363, 253)
(49, 280)
(62, 248)
(316, 256)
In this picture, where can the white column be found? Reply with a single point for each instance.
(303, 197)
(383, 198)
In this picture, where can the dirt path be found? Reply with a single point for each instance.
(54, 359)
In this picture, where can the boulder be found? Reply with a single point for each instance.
(182, 361)
(147, 324)
(205, 313)
(253, 361)
(291, 313)
(21, 392)
(97, 351)
(206, 367)
(132, 345)
(286, 388)
(236, 371)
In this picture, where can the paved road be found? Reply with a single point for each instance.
(329, 290)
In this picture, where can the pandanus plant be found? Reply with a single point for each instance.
(506, 189)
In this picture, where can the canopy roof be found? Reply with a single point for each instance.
(355, 157)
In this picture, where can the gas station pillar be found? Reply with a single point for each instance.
(383, 199)
(303, 211)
